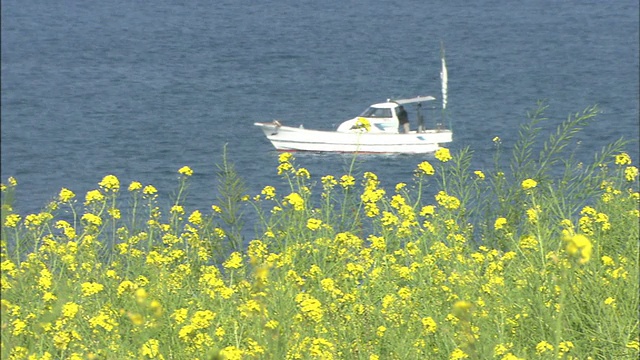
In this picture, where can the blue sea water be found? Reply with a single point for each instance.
(139, 89)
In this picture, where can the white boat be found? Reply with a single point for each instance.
(376, 130)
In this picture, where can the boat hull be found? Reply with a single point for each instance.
(286, 138)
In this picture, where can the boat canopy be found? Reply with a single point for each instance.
(412, 100)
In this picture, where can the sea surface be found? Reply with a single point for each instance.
(140, 89)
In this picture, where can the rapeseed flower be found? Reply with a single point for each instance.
(500, 223)
(429, 325)
(231, 353)
(427, 210)
(186, 171)
(363, 124)
(303, 173)
(70, 309)
(91, 288)
(543, 347)
(610, 302)
(93, 196)
(443, 154)
(314, 224)
(149, 190)
(447, 201)
(12, 220)
(195, 217)
(92, 219)
(135, 186)
(110, 183)
(347, 181)
(269, 192)
(151, 349)
(295, 200)
(425, 168)
(234, 261)
(479, 174)
(458, 354)
(623, 159)
(528, 184)
(579, 246)
(103, 320)
(66, 195)
(180, 315)
(310, 307)
(630, 173)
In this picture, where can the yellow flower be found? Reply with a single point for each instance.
(91, 288)
(216, 209)
(500, 223)
(303, 173)
(177, 209)
(110, 183)
(443, 154)
(362, 123)
(623, 159)
(285, 158)
(180, 315)
(149, 190)
(427, 210)
(496, 139)
(231, 353)
(70, 309)
(381, 330)
(295, 200)
(314, 224)
(234, 261)
(610, 301)
(93, 196)
(347, 181)
(329, 181)
(310, 307)
(134, 186)
(186, 171)
(66, 195)
(115, 213)
(92, 219)
(579, 246)
(12, 220)
(429, 325)
(195, 217)
(532, 215)
(377, 242)
(479, 174)
(269, 192)
(425, 168)
(630, 173)
(458, 354)
(151, 349)
(528, 242)
(449, 202)
(543, 347)
(529, 184)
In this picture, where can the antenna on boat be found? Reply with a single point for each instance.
(444, 78)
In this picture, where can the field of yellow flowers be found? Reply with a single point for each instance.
(494, 264)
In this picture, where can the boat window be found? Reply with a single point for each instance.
(373, 112)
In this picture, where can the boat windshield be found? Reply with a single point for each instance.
(373, 112)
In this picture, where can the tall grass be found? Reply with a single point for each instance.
(529, 262)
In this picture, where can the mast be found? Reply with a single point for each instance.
(444, 78)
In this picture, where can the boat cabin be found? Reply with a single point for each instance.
(385, 117)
